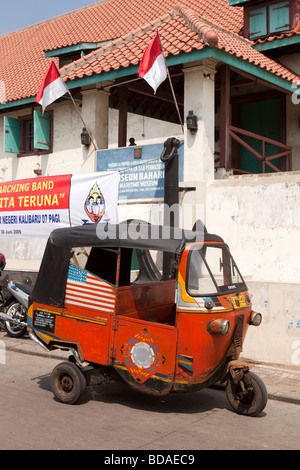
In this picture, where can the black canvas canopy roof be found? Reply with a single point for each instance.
(51, 281)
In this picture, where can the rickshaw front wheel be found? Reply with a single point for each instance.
(250, 404)
(67, 382)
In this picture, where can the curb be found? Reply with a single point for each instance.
(271, 396)
(33, 353)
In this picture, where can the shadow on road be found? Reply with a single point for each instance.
(197, 402)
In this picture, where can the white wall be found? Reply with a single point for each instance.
(291, 61)
(144, 130)
(277, 339)
(258, 216)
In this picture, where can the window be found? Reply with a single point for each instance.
(68, 59)
(266, 19)
(28, 135)
(146, 266)
(258, 22)
(132, 267)
(102, 262)
(212, 271)
(279, 17)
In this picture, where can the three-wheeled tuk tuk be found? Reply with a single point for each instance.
(106, 293)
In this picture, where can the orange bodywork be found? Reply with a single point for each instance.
(155, 335)
(201, 355)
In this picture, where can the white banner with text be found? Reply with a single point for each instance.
(35, 207)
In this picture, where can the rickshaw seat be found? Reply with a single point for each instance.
(153, 301)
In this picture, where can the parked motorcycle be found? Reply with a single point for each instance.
(13, 306)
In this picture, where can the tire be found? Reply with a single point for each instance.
(252, 404)
(15, 310)
(67, 382)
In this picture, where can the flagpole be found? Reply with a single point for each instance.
(73, 101)
(171, 85)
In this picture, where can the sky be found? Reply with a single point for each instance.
(17, 14)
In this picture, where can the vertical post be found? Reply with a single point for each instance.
(171, 195)
(123, 106)
(95, 112)
(285, 163)
(199, 146)
(225, 117)
(235, 148)
(171, 190)
(263, 154)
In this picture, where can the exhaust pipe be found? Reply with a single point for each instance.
(5, 317)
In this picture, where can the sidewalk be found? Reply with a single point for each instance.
(282, 382)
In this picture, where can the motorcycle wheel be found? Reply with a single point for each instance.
(67, 382)
(15, 310)
(251, 404)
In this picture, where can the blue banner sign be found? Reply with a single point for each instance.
(141, 178)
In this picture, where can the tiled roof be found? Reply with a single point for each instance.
(191, 33)
(130, 25)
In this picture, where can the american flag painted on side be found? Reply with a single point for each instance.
(86, 290)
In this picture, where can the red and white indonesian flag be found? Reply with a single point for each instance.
(153, 67)
(52, 87)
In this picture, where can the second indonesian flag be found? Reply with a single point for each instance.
(153, 67)
(52, 87)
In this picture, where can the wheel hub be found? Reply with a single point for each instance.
(67, 383)
(240, 375)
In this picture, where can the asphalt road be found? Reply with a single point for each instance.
(114, 417)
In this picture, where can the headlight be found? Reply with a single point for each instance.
(218, 326)
(255, 319)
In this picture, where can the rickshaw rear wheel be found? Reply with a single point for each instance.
(251, 404)
(67, 382)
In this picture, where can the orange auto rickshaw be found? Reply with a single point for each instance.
(163, 309)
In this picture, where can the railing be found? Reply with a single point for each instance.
(285, 150)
